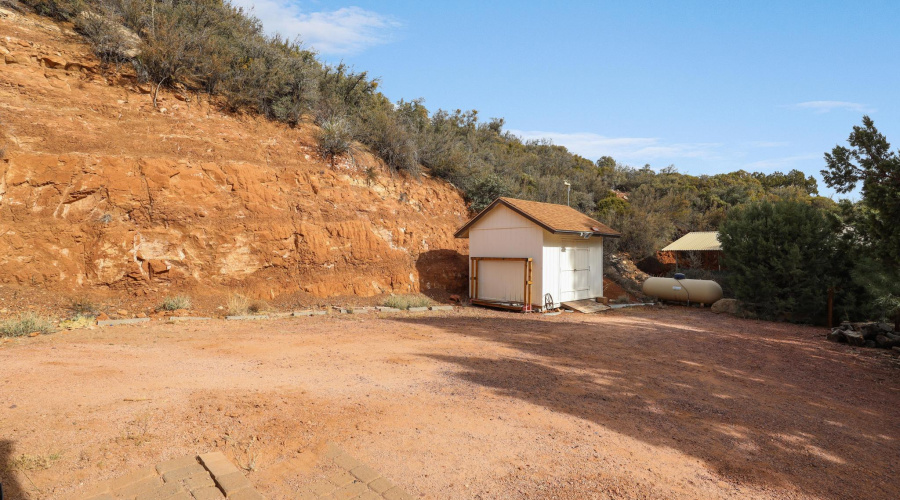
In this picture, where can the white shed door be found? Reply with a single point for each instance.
(574, 273)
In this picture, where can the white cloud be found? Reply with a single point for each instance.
(826, 106)
(347, 30)
(626, 149)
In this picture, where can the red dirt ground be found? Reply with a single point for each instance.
(641, 403)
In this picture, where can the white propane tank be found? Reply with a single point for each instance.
(694, 291)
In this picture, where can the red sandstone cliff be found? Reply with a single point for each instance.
(100, 190)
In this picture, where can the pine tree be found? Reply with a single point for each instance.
(779, 255)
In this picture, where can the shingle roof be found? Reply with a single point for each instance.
(695, 241)
(550, 216)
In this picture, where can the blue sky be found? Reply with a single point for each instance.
(707, 86)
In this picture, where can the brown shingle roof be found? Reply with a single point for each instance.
(550, 216)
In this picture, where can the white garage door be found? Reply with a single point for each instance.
(501, 280)
(574, 273)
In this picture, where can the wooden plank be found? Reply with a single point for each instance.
(586, 306)
(501, 258)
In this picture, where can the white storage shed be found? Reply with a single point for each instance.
(524, 255)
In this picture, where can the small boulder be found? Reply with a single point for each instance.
(854, 338)
(102, 317)
(836, 335)
(726, 306)
(53, 62)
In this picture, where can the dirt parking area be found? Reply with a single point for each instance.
(674, 403)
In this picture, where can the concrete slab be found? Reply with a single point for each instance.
(417, 309)
(388, 309)
(246, 318)
(116, 322)
(175, 319)
(441, 308)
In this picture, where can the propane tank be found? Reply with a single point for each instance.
(683, 290)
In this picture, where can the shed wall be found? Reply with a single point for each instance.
(552, 270)
(504, 233)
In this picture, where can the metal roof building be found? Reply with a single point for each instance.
(697, 241)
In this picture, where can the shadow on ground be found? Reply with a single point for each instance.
(11, 489)
(763, 403)
(442, 272)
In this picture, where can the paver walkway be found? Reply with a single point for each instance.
(205, 477)
(212, 476)
(351, 479)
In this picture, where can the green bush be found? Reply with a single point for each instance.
(334, 138)
(781, 259)
(25, 324)
(210, 46)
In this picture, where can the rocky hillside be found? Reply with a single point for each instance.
(100, 190)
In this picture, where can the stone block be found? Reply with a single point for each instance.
(116, 322)
(349, 491)
(341, 478)
(396, 493)
(365, 474)
(217, 464)
(188, 318)
(176, 463)
(161, 493)
(246, 318)
(347, 462)
(179, 475)
(417, 309)
(246, 494)
(199, 481)
(389, 309)
(231, 483)
(332, 450)
(131, 478)
(322, 488)
(381, 485)
(441, 308)
(141, 487)
(208, 493)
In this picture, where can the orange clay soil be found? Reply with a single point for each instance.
(103, 195)
(640, 403)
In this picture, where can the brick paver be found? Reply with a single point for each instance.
(206, 477)
(211, 476)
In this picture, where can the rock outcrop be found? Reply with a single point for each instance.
(100, 189)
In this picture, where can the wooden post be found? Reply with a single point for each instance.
(830, 306)
(475, 278)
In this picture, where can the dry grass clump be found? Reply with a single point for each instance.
(407, 301)
(241, 305)
(25, 324)
(175, 303)
(82, 306)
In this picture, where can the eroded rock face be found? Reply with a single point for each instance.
(99, 190)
